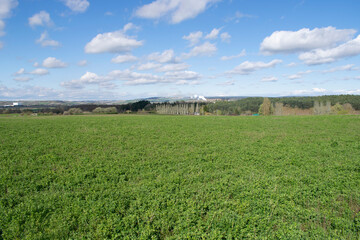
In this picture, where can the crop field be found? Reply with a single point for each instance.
(179, 177)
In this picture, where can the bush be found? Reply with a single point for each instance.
(109, 110)
(73, 111)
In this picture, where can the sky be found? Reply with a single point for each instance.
(120, 50)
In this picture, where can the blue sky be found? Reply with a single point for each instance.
(110, 49)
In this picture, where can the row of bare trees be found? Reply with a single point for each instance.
(179, 109)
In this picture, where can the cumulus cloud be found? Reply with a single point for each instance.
(193, 37)
(227, 83)
(130, 26)
(247, 67)
(183, 75)
(134, 78)
(292, 64)
(124, 58)
(5, 11)
(298, 75)
(304, 40)
(167, 56)
(79, 6)
(87, 78)
(112, 42)
(52, 62)
(40, 19)
(40, 72)
(238, 15)
(320, 56)
(309, 92)
(6, 6)
(27, 92)
(45, 41)
(241, 54)
(225, 37)
(173, 67)
(176, 10)
(2, 26)
(205, 49)
(82, 63)
(348, 67)
(213, 34)
(22, 79)
(20, 72)
(148, 66)
(269, 79)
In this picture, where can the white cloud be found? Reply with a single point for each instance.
(186, 82)
(225, 37)
(176, 10)
(298, 75)
(183, 75)
(206, 49)
(227, 83)
(2, 26)
(52, 62)
(355, 91)
(247, 67)
(77, 5)
(22, 79)
(40, 19)
(238, 15)
(112, 42)
(292, 64)
(130, 26)
(82, 63)
(40, 72)
(124, 58)
(320, 56)
(167, 56)
(309, 92)
(5, 11)
(193, 37)
(6, 6)
(294, 76)
(304, 40)
(1, 45)
(269, 79)
(348, 67)
(134, 78)
(173, 67)
(87, 78)
(45, 41)
(36, 64)
(213, 34)
(148, 66)
(27, 92)
(242, 54)
(20, 72)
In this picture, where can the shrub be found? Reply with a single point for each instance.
(73, 111)
(109, 110)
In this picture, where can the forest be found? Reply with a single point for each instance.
(340, 104)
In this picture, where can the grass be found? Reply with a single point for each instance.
(179, 177)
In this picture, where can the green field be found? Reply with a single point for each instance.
(179, 177)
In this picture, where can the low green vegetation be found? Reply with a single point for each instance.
(179, 177)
